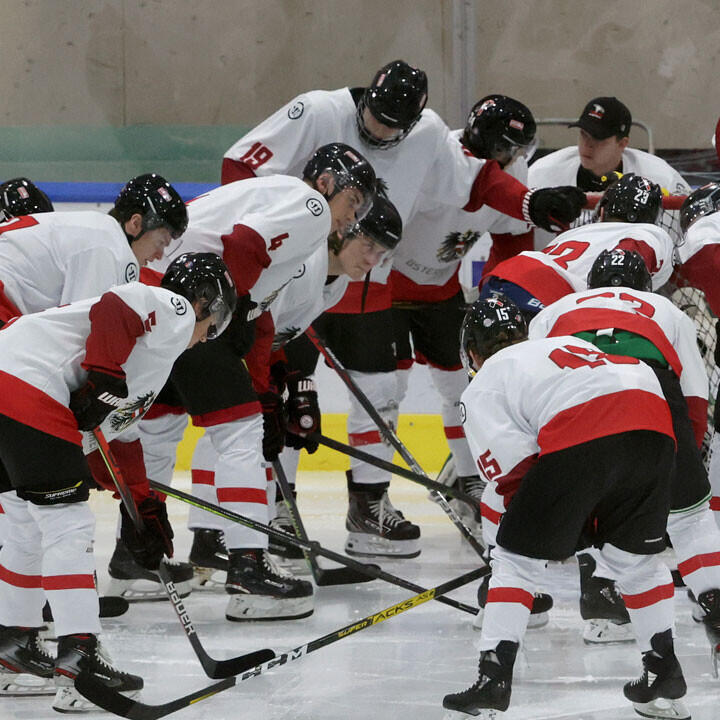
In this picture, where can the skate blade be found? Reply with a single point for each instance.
(483, 714)
(69, 700)
(603, 632)
(365, 545)
(259, 607)
(663, 709)
(145, 590)
(24, 684)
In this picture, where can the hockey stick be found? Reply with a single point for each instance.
(330, 576)
(114, 702)
(391, 436)
(213, 668)
(310, 546)
(423, 480)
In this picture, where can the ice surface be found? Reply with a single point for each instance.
(398, 669)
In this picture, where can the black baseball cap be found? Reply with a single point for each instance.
(604, 117)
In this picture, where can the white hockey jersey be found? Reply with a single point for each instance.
(647, 314)
(561, 167)
(427, 253)
(306, 297)
(542, 396)
(699, 256)
(563, 266)
(133, 329)
(264, 228)
(56, 258)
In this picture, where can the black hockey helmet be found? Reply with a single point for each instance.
(620, 268)
(396, 98)
(159, 203)
(204, 277)
(20, 196)
(490, 325)
(631, 198)
(383, 223)
(349, 169)
(703, 201)
(499, 128)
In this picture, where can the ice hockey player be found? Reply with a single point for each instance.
(322, 282)
(602, 149)
(626, 215)
(531, 422)
(21, 196)
(103, 361)
(619, 316)
(410, 147)
(428, 303)
(265, 228)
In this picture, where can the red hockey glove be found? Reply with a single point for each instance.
(554, 208)
(148, 546)
(303, 414)
(273, 425)
(97, 398)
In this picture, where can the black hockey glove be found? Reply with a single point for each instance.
(554, 208)
(273, 425)
(303, 414)
(240, 333)
(149, 546)
(97, 398)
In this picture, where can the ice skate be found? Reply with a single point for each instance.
(376, 529)
(539, 615)
(260, 590)
(289, 557)
(491, 691)
(709, 602)
(602, 607)
(657, 692)
(209, 559)
(26, 667)
(83, 653)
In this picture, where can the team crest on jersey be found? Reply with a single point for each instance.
(296, 110)
(463, 413)
(179, 304)
(129, 414)
(131, 273)
(314, 206)
(456, 244)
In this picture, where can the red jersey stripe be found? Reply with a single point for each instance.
(511, 595)
(649, 597)
(372, 437)
(19, 580)
(699, 561)
(242, 495)
(68, 582)
(202, 477)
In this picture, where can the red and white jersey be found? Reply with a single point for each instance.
(561, 168)
(650, 315)
(426, 162)
(563, 266)
(542, 396)
(133, 331)
(56, 258)
(699, 256)
(428, 255)
(263, 228)
(306, 297)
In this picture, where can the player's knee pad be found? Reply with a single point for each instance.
(65, 526)
(510, 569)
(381, 390)
(693, 531)
(60, 493)
(634, 573)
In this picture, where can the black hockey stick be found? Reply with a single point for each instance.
(213, 668)
(390, 467)
(114, 702)
(391, 436)
(322, 576)
(310, 546)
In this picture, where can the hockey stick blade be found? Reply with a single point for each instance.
(343, 576)
(114, 702)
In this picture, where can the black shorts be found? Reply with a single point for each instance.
(361, 341)
(613, 489)
(209, 377)
(690, 484)
(435, 332)
(42, 468)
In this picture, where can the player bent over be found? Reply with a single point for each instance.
(103, 361)
(568, 480)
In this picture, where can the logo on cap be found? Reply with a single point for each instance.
(597, 112)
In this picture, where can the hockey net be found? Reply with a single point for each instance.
(689, 299)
